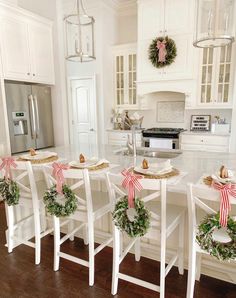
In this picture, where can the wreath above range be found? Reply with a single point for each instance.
(162, 51)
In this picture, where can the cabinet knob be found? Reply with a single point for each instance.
(160, 31)
(201, 140)
(28, 73)
(34, 74)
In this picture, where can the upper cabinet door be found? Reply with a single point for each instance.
(150, 19)
(178, 16)
(41, 49)
(15, 49)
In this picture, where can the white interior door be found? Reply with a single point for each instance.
(84, 116)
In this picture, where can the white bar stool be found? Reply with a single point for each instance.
(30, 209)
(88, 211)
(165, 219)
(201, 202)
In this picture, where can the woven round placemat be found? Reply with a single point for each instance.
(94, 168)
(40, 161)
(173, 173)
(208, 180)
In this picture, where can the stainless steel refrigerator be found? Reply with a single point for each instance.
(29, 111)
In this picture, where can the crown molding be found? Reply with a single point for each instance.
(120, 7)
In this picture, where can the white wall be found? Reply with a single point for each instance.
(106, 35)
(127, 28)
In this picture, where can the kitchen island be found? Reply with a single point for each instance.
(194, 164)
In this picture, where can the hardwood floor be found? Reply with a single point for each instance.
(19, 277)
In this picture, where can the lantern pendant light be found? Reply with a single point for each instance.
(79, 28)
(215, 23)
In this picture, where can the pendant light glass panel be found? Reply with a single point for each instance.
(79, 35)
(215, 23)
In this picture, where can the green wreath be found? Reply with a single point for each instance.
(171, 52)
(57, 209)
(221, 251)
(141, 223)
(10, 191)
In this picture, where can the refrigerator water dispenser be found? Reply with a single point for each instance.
(19, 123)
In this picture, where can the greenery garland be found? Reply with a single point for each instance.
(139, 226)
(219, 250)
(57, 209)
(10, 191)
(170, 49)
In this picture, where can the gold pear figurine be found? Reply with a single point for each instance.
(81, 158)
(224, 172)
(145, 164)
(32, 152)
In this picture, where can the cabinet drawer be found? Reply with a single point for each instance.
(209, 148)
(121, 136)
(205, 140)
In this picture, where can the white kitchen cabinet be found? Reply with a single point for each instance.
(125, 76)
(120, 138)
(204, 142)
(169, 17)
(166, 18)
(181, 68)
(26, 47)
(216, 77)
(15, 49)
(40, 39)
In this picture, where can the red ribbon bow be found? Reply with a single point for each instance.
(7, 163)
(58, 169)
(131, 182)
(161, 46)
(226, 190)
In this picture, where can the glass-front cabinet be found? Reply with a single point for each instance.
(216, 76)
(125, 61)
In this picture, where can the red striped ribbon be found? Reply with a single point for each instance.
(58, 169)
(7, 163)
(131, 183)
(226, 190)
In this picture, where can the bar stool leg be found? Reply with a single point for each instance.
(116, 258)
(91, 252)
(181, 246)
(137, 250)
(10, 216)
(56, 223)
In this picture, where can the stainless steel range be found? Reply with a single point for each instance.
(163, 138)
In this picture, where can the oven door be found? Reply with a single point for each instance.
(161, 143)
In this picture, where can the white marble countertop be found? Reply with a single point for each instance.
(194, 163)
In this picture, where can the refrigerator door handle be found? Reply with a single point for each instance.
(37, 115)
(32, 117)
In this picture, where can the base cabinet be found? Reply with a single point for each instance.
(203, 142)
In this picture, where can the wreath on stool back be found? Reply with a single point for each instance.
(162, 51)
(62, 190)
(9, 189)
(137, 227)
(221, 251)
(55, 208)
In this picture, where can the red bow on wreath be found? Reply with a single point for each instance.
(58, 169)
(226, 190)
(7, 163)
(131, 182)
(161, 46)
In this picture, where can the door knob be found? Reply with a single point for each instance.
(91, 129)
